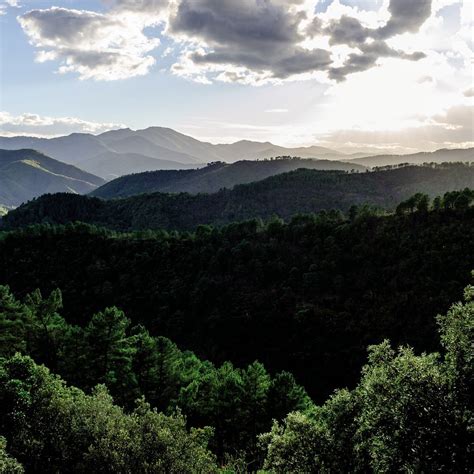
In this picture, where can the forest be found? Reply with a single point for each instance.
(311, 345)
(408, 412)
(282, 195)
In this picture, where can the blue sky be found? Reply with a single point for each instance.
(392, 74)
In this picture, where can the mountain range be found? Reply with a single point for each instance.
(25, 174)
(283, 195)
(119, 152)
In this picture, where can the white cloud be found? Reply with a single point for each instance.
(4, 4)
(276, 111)
(96, 46)
(29, 124)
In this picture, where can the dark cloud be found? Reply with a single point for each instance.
(61, 25)
(259, 35)
(368, 57)
(265, 37)
(262, 35)
(406, 17)
(346, 30)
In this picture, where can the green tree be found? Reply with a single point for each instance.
(54, 428)
(46, 327)
(14, 320)
(8, 465)
(110, 353)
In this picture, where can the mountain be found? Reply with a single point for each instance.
(438, 156)
(110, 165)
(284, 195)
(158, 143)
(213, 177)
(69, 149)
(25, 174)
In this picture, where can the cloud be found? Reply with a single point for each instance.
(451, 129)
(247, 41)
(268, 38)
(4, 4)
(276, 111)
(262, 37)
(94, 45)
(36, 125)
(469, 92)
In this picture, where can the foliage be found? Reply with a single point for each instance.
(306, 297)
(238, 403)
(408, 413)
(55, 428)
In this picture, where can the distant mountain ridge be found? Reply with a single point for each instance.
(213, 177)
(124, 151)
(439, 156)
(25, 174)
(127, 151)
(284, 195)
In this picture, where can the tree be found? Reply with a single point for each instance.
(408, 413)
(46, 327)
(14, 319)
(54, 428)
(8, 465)
(111, 353)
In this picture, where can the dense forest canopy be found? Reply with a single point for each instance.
(321, 287)
(283, 195)
(407, 413)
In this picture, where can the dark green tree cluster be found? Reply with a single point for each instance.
(238, 403)
(408, 413)
(306, 296)
(420, 202)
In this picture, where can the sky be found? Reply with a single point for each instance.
(388, 75)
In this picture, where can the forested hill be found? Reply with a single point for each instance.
(25, 174)
(284, 195)
(307, 296)
(439, 156)
(213, 177)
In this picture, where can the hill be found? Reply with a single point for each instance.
(438, 156)
(213, 177)
(284, 195)
(110, 165)
(25, 174)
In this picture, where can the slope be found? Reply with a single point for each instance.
(284, 195)
(25, 174)
(213, 177)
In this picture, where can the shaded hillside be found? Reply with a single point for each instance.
(307, 296)
(438, 156)
(284, 195)
(25, 174)
(110, 165)
(213, 177)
